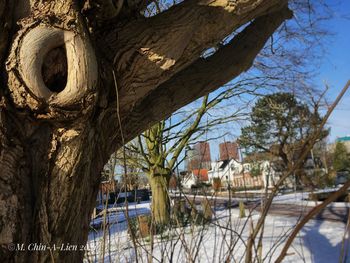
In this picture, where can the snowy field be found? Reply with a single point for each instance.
(300, 198)
(223, 240)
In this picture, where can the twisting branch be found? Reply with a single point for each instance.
(179, 36)
(206, 74)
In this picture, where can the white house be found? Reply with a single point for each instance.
(238, 174)
(195, 177)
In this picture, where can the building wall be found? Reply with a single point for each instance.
(228, 150)
(346, 141)
(199, 157)
(238, 174)
(246, 180)
(189, 181)
(194, 177)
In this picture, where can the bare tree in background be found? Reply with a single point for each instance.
(157, 151)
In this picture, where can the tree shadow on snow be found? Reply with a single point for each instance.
(321, 248)
(116, 221)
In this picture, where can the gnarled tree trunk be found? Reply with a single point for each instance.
(80, 78)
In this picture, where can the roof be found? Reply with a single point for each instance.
(343, 139)
(224, 164)
(202, 174)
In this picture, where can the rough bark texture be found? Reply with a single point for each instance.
(160, 199)
(52, 150)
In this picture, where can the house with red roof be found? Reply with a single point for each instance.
(195, 177)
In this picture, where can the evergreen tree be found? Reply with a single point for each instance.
(341, 158)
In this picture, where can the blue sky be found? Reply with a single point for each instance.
(335, 70)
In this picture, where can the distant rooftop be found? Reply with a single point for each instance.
(343, 139)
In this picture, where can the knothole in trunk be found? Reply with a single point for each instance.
(55, 69)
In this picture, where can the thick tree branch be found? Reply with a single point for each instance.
(147, 52)
(205, 75)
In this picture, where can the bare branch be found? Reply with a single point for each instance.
(207, 74)
(317, 209)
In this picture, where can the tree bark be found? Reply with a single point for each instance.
(49, 176)
(86, 91)
(160, 199)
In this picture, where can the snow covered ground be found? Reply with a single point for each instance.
(319, 241)
(300, 198)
